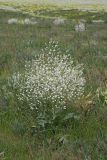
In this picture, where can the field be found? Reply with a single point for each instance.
(80, 131)
(32, 5)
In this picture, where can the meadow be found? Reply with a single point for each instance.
(78, 132)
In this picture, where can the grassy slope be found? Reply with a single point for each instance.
(24, 4)
(89, 48)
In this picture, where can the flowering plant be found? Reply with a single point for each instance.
(50, 82)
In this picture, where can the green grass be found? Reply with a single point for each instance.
(20, 43)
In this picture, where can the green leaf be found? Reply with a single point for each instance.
(71, 116)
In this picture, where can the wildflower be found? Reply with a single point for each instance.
(98, 21)
(59, 21)
(13, 21)
(26, 21)
(50, 78)
(80, 27)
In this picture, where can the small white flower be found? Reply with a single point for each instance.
(13, 21)
(80, 27)
(28, 21)
(59, 21)
(98, 21)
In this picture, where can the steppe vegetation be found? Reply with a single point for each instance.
(53, 85)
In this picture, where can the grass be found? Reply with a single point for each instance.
(97, 5)
(84, 139)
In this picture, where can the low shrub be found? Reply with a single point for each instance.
(48, 86)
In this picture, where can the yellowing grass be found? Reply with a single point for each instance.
(32, 5)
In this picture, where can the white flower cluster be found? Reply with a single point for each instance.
(26, 21)
(12, 21)
(59, 21)
(50, 78)
(98, 21)
(80, 27)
